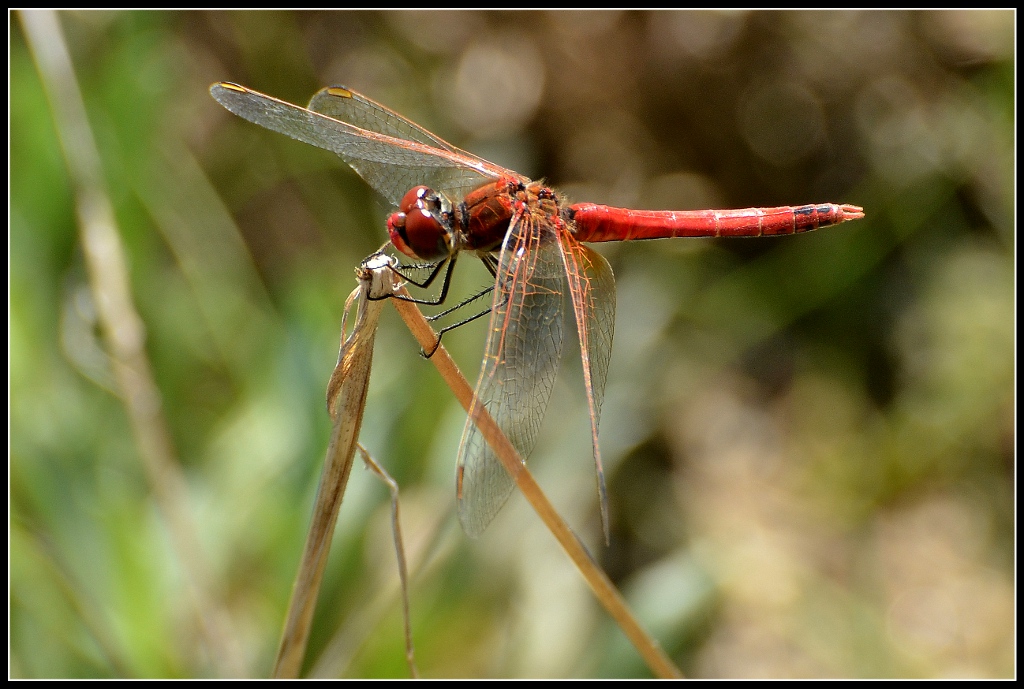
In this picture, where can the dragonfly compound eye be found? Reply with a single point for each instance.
(426, 235)
(417, 197)
(419, 234)
(418, 229)
(396, 231)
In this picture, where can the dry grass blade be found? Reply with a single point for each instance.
(346, 399)
(660, 664)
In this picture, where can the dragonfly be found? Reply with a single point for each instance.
(530, 238)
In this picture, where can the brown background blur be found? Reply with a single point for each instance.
(809, 441)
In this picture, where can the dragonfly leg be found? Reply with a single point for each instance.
(453, 326)
(467, 300)
(491, 263)
(436, 269)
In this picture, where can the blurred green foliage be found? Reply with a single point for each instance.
(809, 440)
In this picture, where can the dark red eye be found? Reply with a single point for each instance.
(414, 198)
(396, 231)
(425, 235)
(419, 228)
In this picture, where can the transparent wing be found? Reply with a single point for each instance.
(346, 105)
(392, 161)
(523, 352)
(592, 292)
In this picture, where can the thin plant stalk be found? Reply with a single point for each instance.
(403, 570)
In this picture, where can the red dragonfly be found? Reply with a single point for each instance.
(528, 235)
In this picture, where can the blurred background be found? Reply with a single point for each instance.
(809, 441)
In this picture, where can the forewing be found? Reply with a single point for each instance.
(523, 351)
(592, 292)
(390, 164)
(344, 104)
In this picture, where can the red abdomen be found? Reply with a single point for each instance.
(597, 223)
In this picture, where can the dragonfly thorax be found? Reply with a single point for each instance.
(422, 226)
(485, 213)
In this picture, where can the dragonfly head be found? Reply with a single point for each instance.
(422, 226)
